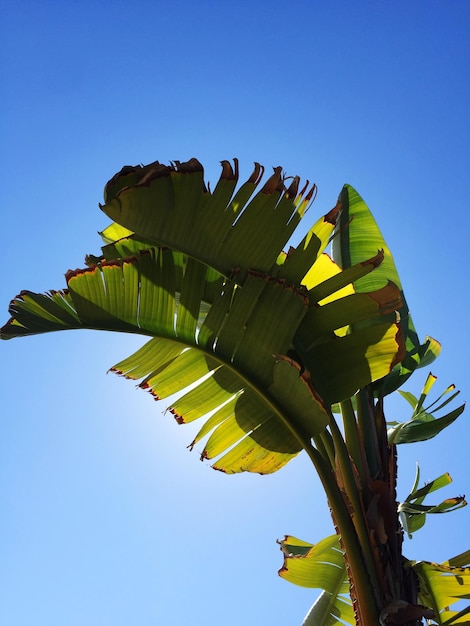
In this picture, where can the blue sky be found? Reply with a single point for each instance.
(107, 519)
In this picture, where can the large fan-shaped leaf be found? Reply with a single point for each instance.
(161, 292)
(327, 283)
(171, 206)
(227, 305)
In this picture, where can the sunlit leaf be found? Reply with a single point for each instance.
(423, 424)
(413, 512)
(442, 585)
(320, 566)
(171, 206)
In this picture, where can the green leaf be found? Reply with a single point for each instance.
(422, 428)
(330, 610)
(341, 365)
(416, 357)
(423, 424)
(232, 341)
(33, 313)
(442, 585)
(320, 566)
(244, 317)
(171, 206)
(358, 237)
(330, 282)
(114, 232)
(340, 324)
(409, 397)
(300, 260)
(456, 617)
(222, 230)
(413, 512)
(316, 566)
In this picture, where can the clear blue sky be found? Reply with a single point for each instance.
(107, 519)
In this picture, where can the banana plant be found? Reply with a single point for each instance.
(262, 344)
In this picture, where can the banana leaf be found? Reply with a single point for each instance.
(357, 237)
(423, 423)
(443, 585)
(320, 566)
(257, 342)
(413, 512)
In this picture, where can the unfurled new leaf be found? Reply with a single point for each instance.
(423, 424)
(413, 512)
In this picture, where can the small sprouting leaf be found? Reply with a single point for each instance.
(413, 512)
(423, 424)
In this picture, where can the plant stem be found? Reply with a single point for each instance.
(350, 486)
(360, 580)
(353, 443)
(368, 428)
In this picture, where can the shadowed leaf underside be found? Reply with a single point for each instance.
(226, 350)
(256, 341)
